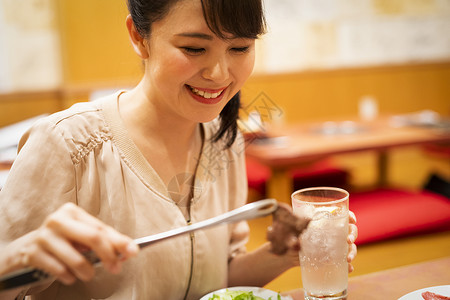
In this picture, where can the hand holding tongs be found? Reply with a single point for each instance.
(31, 277)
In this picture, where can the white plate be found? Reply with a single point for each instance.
(260, 292)
(443, 290)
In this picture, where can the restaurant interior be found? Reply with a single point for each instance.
(355, 96)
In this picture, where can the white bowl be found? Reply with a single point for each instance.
(257, 291)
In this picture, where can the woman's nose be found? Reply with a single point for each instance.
(217, 71)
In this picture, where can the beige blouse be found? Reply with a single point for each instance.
(85, 156)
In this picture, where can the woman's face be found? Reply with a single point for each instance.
(190, 72)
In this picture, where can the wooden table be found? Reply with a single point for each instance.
(394, 283)
(292, 146)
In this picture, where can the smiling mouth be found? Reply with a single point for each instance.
(205, 94)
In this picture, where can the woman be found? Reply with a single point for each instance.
(145, 161)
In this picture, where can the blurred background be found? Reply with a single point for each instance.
(320, 59)
(396, 51)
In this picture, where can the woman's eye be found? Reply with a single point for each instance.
(191, 50)
(240, 49)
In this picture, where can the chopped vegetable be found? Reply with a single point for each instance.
(238, 295)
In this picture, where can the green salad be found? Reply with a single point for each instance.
(239, 295)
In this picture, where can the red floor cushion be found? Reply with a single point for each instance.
(322, 173)
(439, 150)
(257, 175)
(389, 213)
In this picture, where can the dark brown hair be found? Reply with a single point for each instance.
(238, 18)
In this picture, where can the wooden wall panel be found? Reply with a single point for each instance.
(336, 93)
(19, 106)
(95, 44)
(301, 96)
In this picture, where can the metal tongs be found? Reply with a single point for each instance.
(29, 277)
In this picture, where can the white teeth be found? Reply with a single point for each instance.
(206, 95)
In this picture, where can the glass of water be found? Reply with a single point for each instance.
(324, 248)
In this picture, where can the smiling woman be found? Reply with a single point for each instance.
(217, 26)
(120, 159)
(161, 155)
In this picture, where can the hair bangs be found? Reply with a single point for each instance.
(238, 18)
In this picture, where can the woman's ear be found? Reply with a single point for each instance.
(137, 40)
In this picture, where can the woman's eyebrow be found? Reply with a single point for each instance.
(196, 35)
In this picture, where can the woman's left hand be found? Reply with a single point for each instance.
(290, 243)
(351, 238)
(284, 234)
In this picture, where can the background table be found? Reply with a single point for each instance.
(291, 146)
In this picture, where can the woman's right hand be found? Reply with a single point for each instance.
(55, 246)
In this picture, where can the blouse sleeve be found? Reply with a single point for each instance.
(238, 192)
(40, 181)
